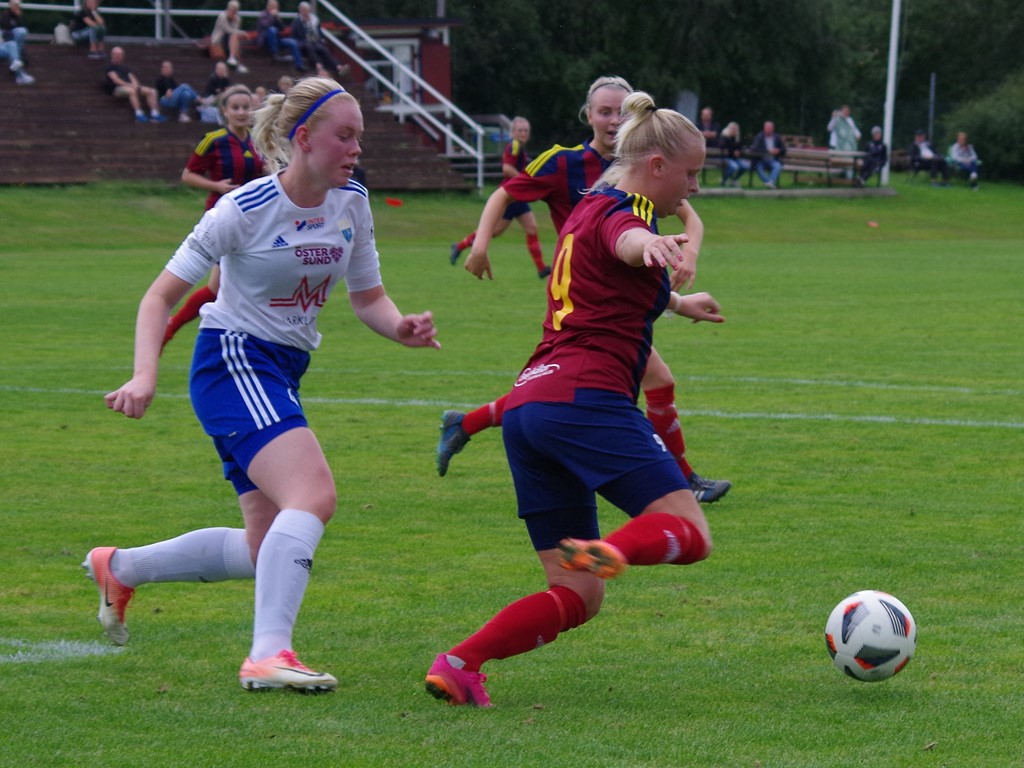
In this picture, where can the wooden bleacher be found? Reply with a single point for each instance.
(65, 129)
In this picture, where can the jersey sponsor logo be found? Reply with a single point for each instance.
(317, 222)
(320, 255)
(536, 372)
(304, 296)
(279, 242)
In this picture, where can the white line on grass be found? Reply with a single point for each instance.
(763, 416)
(26, 652)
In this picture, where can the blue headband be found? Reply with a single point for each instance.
(309, 112)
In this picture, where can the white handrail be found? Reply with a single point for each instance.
(444, 128)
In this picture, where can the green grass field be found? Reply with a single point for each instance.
(864, 396)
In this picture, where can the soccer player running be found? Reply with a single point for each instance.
(513, 162)
(560, 177)
(224, 160)
(284, 243)
(571, 425)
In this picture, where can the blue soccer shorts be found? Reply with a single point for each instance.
(515, 210)
(563, 454)
(245, 392)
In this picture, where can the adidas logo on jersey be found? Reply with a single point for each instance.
(279, 242)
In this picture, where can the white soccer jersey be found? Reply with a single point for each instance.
(279, 262)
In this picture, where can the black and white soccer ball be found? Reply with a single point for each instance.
(870, 635)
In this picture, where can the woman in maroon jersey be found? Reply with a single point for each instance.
(223, 160)
(571, 426)
(560, 177)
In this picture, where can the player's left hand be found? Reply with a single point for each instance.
(418, 331)
(699, 306)
(686, 272)
(664, 250)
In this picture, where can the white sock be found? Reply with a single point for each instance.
(209, 554)
(283, 566)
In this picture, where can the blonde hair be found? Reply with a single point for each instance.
(232, 90)
(605, 81)
(645, 130)
(732, 130)
(284, 112)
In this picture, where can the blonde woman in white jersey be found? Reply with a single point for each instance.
(284, 243)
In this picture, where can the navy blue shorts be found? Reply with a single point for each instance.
(515, 210)
(245, 392)
(563, 454)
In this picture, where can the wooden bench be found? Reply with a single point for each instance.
(830, 163)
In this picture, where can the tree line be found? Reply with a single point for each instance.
(790, 61)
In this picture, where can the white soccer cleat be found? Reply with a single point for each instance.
(284, 671)
(114, 596)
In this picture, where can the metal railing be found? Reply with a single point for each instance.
(422, 115)
(450, 126)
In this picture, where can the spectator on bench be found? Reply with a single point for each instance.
(12, 25)
(9, 52)
(734, 166)
(271, 35)
(708, 127)
(965, 158)
(87, 26)
(306, 32)
(121, 82)
(207, 105)
(877, 154)
(770, 150)
(228, 36)
(923, 155)
(174, 96)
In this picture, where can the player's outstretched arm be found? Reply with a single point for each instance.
(687, 270)
(477, 263)
(378, 312)
(697, 307)
(134, 396)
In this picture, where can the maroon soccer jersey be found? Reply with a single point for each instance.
(601, 311)
(222, 155)
(515, 155)
(560, 177)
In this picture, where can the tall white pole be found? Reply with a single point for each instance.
(890, 84)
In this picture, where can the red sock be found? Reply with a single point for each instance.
(658, 537)
(533, 246)
(466, 242)
(526, 624)
(189, 311)
(661, 412)
(485, 416)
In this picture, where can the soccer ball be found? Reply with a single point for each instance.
(870, 635)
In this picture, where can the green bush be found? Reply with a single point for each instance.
(992, 122)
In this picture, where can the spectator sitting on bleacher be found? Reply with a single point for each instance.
(173, 96)
(875, 157)
(770, 149)
(228, 36)
(923, 155)
(121, 82)
(218, 83)
(9, 52)
(708, 128)
(733, 164)
(306, 32)
(965, 158)
(87, 26)
(13, 28)
(271, 35)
